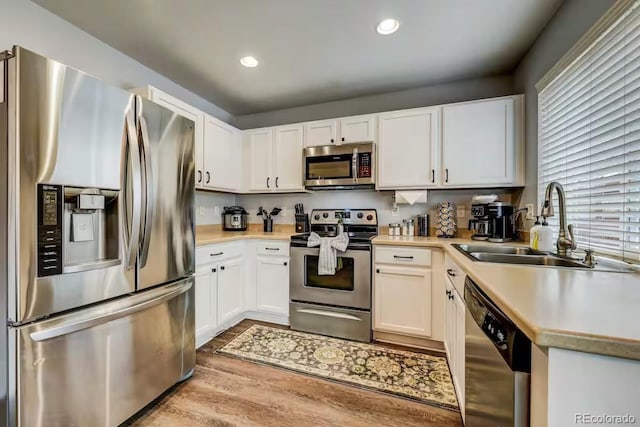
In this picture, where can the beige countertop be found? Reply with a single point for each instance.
(210, 234)
(589, 311)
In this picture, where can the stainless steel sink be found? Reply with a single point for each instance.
(548, 260)
(522, 255)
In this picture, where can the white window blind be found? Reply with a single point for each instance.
(589, 140)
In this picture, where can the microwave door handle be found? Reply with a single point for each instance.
(131, 226)
(148, 190)
(354, 165)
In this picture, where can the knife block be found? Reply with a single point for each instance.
(302, 223)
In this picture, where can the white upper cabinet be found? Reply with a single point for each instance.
(323, 132)
(407, 149)
(259, 148)
(287, 157)
(357, 129)
(222, 154)
(479, 143)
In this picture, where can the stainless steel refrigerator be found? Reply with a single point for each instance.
(97, 247)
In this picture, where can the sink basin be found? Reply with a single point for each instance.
(523, 255)
(548, 260)
(489, 249)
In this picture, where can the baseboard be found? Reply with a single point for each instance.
(409, 341)
(267, 317)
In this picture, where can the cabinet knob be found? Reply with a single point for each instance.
(342, 139)
(213, 270)
(451, 296)
(448, 293)
(332, 140)
(378, 270)
(285, 263)
(222, 268)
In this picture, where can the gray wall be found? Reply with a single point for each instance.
(420, 97)
(570, 22)
(32, 27)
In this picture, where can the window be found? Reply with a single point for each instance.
(589, 139)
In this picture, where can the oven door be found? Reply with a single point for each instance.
(349, 287)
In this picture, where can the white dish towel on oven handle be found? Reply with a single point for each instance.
(328, 258)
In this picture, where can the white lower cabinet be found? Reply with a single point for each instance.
(205, 318)
(454, 342)
(402, 295)
(272, 287)
(230, 289)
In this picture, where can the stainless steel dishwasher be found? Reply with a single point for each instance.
(497, 365)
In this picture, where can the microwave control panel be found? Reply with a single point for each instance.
(364, 165)
(49, 230)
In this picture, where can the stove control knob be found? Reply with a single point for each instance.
(369, 217)
(316, 217)
(360, 215)
(325, 215)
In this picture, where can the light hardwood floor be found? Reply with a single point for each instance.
(231, 392)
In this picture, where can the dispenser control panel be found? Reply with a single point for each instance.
(50, 202)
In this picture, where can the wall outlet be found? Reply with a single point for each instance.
(201, 210)
(461, 212)
(216, 211)
(530, 212)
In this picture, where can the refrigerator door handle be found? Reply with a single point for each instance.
(131, 152)
(147, 218)
(100, 315)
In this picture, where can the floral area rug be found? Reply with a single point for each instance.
(417, 376)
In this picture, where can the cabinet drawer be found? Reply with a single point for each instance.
(214, 253)
(455, 274)
(275, 248)
(403, 256)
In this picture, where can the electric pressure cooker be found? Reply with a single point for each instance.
(234, 218)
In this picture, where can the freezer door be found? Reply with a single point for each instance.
(168, 241)
(99, 366)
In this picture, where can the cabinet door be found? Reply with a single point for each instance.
(230, 284)
(287, 158)
(357, 129)
(449, 323)
(459, 373)
(260, 150)
(273, 285)
(403, 300)
(407, 149)
(478, 142)
(322, 132)
(203, 307)
(222, 156)
(190, 113)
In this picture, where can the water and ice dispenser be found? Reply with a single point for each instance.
(78, 229)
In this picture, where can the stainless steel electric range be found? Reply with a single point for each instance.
(336, 305)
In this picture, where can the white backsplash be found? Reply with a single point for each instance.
(209, 205)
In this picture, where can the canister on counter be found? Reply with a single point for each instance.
(411, 227)
(423, 225)
(394, 229)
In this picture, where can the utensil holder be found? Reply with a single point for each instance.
(268, 225)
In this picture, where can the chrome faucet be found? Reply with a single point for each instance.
(566, 241)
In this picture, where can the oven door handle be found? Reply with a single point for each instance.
(328, 314)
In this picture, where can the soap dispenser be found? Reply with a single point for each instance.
(534, 235)
(545, 237)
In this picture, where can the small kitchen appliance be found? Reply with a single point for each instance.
(234, 218)
(481, 224)
(345, 166)
(338, 305)
(502, 225)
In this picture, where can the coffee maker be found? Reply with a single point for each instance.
(502, 226)
(481, 224)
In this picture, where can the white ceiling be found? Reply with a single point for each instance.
(311, 51)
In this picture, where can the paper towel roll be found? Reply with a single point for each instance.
(411, 197)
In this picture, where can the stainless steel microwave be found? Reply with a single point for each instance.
(340, 166)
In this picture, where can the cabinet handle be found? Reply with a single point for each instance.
(217, 254)
(332, 140)
(277, 181)
(446, 175)
(433, 176)
(342, 139)
(271, 249)
(451, 273)
(213, 270)
(268, 178)
(451, 295)
(285, 263)
(199, 176)
(402, 257)
(378, 270)
(208, 178)
(448, 293)
(222, 268)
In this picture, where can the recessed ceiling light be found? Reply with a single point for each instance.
(249, 61)
(388, 26)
